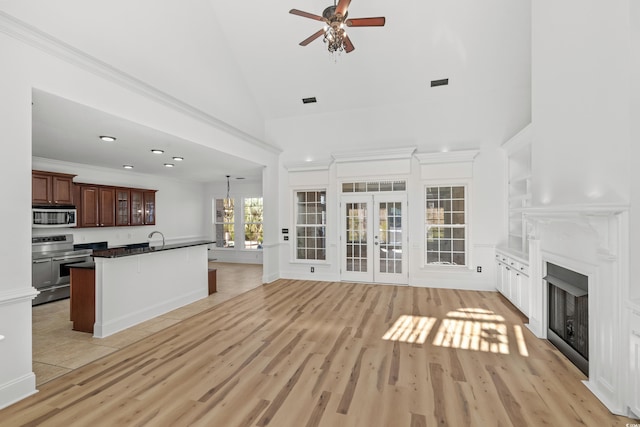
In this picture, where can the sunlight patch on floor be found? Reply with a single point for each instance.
(411, 329)
(465, 328)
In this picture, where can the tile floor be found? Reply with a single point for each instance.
(57, 349)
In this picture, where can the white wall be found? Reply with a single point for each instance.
(634, 216)
(581, 116)
(26, 64)
(179, 205)
(486, 181)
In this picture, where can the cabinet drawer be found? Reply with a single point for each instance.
(524, 269)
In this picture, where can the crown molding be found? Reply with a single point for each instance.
(563, 212)
(521, 139)
(369, 155)
(447, 157)
(309, 166)
(45, 42)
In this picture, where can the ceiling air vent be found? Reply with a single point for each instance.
(309, 100)
(441, 82)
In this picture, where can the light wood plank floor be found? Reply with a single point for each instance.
(57, 349)
(304, 353)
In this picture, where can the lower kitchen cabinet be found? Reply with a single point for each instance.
(512, 277)
(82, 303)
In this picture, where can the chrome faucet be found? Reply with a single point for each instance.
(154, 232)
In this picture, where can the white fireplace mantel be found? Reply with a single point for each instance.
(592, 240)
(602, 220)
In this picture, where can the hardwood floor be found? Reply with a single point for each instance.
(304, 353)
(57, 349)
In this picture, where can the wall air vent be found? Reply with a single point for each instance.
(441, 82)
(309, 100)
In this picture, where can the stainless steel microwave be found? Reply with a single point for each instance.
(53, 216)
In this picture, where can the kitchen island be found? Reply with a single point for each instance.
(135, 284)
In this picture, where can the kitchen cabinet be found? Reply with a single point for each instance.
(50, 188)
(634, 380)
(108, 206)
(123, 206)
(149, 199)
(512, 280)
(97, 206)
(82, 304)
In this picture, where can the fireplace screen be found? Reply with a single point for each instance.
(569, 314)
(569, 318)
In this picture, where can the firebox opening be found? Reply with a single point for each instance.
(568, 314)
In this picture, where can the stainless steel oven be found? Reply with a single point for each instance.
(51, 257)
(60, 266)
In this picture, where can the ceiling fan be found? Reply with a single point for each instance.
(335, 18)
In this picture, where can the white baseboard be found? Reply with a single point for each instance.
(17, 389)
(109, 328)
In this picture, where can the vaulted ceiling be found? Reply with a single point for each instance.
(241, 62)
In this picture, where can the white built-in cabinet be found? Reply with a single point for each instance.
(513, 280)
(634, 375)
(519, 169)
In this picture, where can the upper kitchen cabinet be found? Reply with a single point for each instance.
(143, 207)
(97, 206)
(149, 198)
(137, 207)
(49, 188)
(123, 206)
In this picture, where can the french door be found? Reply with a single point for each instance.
(374, 239)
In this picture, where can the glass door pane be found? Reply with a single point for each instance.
(389, 237)
(356, 237)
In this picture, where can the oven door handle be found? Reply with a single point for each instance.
(41, 261)
(66, 258)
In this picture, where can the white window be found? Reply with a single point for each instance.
(446, 225)
(225, 227)
(311, 225)
(253, 233)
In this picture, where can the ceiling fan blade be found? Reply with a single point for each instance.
(348, 46)
(306, 14)
(312, 37)
(342, 7)
(365, 22)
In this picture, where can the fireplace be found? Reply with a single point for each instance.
(568, 314)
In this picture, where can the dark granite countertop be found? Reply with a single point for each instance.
(133, 250)
(88, 265)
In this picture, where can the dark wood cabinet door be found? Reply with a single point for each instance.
(51, 188)
(149, 198)
(62, 188)
(123, 209)
(107, 207)
(40, 189)
(88, 206)
(137, 208)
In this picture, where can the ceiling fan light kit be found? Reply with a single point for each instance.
(334, 34)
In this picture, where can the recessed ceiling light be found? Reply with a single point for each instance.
(178, 158)
(107, 138)
(127, 166)
(169, 165)
(157, 151)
